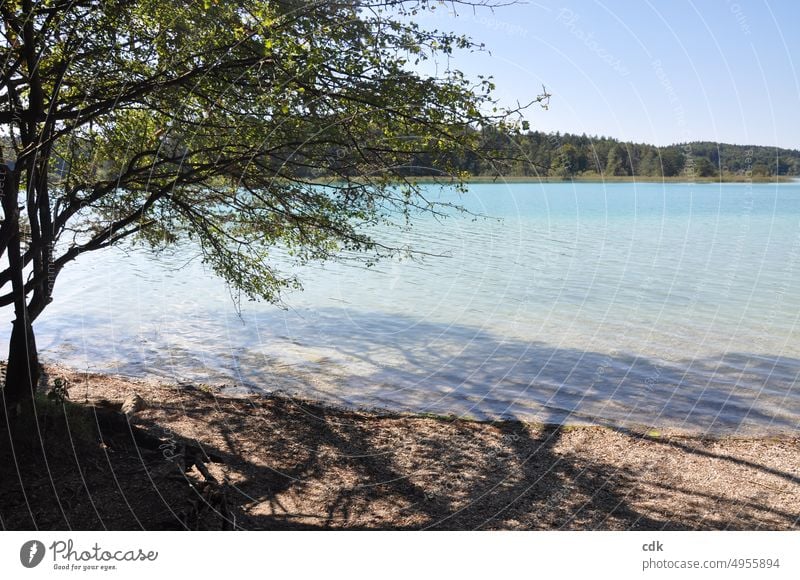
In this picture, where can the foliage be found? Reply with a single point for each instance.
(160, 119)
(166, 121)
(511, 154)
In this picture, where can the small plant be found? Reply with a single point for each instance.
(59, 394)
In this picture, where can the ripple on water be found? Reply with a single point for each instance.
(656, 304)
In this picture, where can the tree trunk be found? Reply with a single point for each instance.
(22, 372)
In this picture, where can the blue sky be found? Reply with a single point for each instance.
(657, 72)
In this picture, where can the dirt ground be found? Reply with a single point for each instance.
(194, 458)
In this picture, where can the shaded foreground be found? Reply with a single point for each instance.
(194, 458)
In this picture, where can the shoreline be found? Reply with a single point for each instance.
(610, 179)
(592, 178)
(281, 462)
(286, 392)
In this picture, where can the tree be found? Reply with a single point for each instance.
(156, 121)
(672, 161)
(616, 163)
(704, 168)
(649, 164)
(571, 161)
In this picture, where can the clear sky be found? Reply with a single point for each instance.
(650, 71)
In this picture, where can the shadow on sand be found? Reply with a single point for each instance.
(290, 464)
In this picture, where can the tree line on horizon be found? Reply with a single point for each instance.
(505, 151)
(509, 153)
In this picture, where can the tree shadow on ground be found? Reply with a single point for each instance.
(345, 471)
(287, 464)
(321, 468)
(293, 464)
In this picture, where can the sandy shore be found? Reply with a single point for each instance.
(195, 458)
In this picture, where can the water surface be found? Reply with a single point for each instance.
(666, 305)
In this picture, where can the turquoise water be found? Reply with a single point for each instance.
(666, 305)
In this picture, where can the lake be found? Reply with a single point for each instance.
(671, 306)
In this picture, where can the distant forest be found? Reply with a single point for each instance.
(511, 153)
(537, 154)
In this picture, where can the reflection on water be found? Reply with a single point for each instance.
(666, 305)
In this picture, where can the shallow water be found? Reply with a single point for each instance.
(666, 305)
